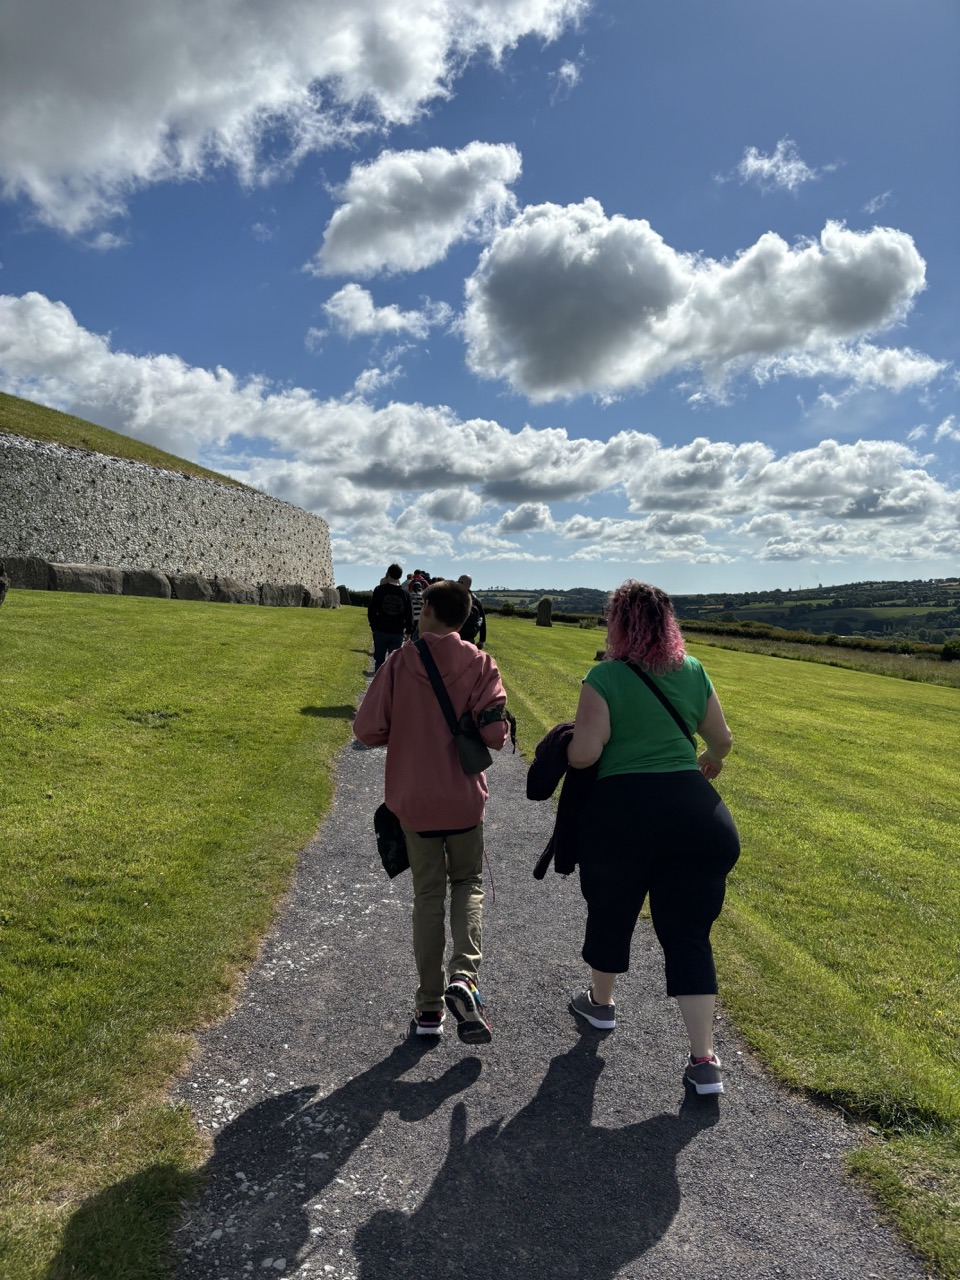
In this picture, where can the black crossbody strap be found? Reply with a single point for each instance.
(439, 688)
(664, 701)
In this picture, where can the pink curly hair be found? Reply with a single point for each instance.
(642, 628)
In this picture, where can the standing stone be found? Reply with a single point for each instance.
(544, 610)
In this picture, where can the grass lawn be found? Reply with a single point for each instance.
(161, 765)
(838, 948)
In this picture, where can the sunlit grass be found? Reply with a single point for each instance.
(161, 765)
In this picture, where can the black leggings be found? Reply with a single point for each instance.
(669, 835)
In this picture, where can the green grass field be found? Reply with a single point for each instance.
(161, 765)
(838, 946)
(162, 762)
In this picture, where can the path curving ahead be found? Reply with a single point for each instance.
(342, 1147)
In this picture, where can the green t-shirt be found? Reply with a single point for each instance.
(644, 738)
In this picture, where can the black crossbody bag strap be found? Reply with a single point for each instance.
(664, 701)
(439, 688)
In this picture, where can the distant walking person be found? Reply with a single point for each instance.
(439, 806)
(652, 823)
(389, 615)
(475, 627)
(416, 605)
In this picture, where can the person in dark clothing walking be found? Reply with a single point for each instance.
(389, 615)
(475, 627)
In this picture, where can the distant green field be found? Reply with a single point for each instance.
(838, 946)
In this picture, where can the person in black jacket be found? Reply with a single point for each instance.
(389, 615)
(475, 627)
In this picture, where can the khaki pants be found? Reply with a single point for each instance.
(434, 861)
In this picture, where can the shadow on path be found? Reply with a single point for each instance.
(546, 1195)
(344, 712)
(277, 1157)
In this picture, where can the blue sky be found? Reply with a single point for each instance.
(554, 292)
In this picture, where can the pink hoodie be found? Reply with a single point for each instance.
(425, 785)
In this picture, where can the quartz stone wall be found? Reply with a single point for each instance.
(71, 507)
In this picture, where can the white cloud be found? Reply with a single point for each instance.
(527, 518)
(781, 170)
(100, 100)
(385, 476)
(566, 301)
(876, 204)
(370, 381)
(404, 210)
(353, 313)
(567, 76)
(917, 433)
(948, 430)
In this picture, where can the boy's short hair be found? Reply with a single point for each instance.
(450, 602)
(394, 571)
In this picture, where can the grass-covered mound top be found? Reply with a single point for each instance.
(37, 422)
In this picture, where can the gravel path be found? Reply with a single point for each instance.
(345, 1148)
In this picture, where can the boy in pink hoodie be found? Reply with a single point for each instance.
(439, 806)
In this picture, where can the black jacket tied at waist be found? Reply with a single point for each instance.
(548, 767)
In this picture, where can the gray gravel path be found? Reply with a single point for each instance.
(345, 1149)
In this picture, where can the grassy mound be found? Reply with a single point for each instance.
(37, 422)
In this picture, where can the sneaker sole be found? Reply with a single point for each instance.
(430, 1031)
(471, 1027)
(594, 1022)
(704, 1089)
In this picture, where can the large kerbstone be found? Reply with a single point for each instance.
(230, 591)
(96, 579)
(289, 594)
(28, 573)
(190, 586)
(146, 582)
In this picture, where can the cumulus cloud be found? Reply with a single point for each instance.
(405, 209)
(566, 301)
(782, 170)
(100, 100)
(411, 479)
(353, 313)
(527, 517)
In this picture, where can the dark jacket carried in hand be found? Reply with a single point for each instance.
(548, 767)
(389, 609)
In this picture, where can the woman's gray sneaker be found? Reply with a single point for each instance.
(601, 1016)
(705, 1077)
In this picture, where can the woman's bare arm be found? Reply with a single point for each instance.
(713, 729)
(591, 730)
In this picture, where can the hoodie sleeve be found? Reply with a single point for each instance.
(489, 692)
(372, 722)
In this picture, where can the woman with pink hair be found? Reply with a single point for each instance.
(653, 824)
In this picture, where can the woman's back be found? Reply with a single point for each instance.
(644, 738)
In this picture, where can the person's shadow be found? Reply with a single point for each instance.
(266, 1168)
(546, 1195)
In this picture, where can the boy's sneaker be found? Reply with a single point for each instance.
(601, 1016)
(704, 1075)
(429, 1022)
(464, 1001)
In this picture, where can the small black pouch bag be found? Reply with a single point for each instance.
(391, 842)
